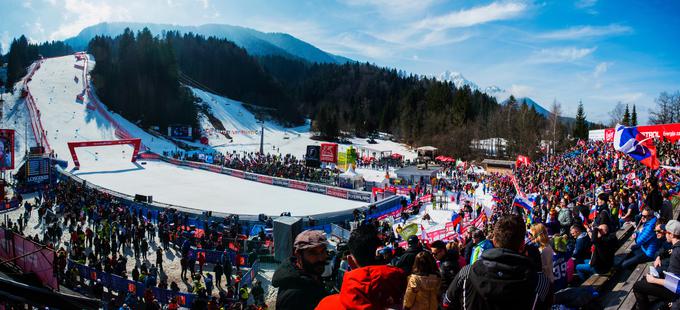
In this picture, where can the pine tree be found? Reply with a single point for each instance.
(633, 117)
(626, 117)
(580, 125)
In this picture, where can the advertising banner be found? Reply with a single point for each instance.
(180, 131)
(312, 158)
(264, 179)
(329, 153)
(281, 182)
(316, 188)
(29, 257)
(297, 185)
(409, 230)
(365, 197)
(6, 149)
(250, 176)
(336, 192)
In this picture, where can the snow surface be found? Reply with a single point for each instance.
(244, 128)
(205, 190)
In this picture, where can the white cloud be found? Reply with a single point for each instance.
(601, 68)
(475, 16)
(82, 13)
(582, 4)
(363, 44)
(389, 8)
(580, 32)
(52, 2)
(27, 4)
(557, 55)
(521, 90)
(205, 3)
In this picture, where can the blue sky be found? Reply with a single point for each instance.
(600, 52)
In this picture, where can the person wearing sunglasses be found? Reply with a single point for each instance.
(646, 243)
(651, 286)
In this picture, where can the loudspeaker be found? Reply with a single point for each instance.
(140, 198)
(286, 228)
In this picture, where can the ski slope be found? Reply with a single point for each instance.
(244, 130)
(55, 88)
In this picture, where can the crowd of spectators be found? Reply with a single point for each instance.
(103, 233)
(582, 197)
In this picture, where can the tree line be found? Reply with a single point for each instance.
(22, 53)
(137, 76)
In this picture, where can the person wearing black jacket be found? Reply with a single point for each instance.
(299, 278)
(502, 278)
(603, 213)
(605, 246)
(448, 262)
(653, 199)
(406, 260)
(652, 286)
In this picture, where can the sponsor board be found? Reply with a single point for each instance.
(280, 182)
(250, 176)
(329, 152)
(297, 185)
(336, 192)
(264, 179)
(316, 188)
(238, 174)
(365, 197)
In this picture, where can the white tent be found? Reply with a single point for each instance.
(351, 179)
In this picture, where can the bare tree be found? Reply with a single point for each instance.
(616, 114)
(667, 109)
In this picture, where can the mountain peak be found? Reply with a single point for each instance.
(255, 42)
(457, 79)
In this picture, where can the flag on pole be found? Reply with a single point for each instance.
(630, 141)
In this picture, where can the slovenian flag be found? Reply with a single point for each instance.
(524, 203)
(630, 141)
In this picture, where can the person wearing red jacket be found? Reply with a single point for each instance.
(369, 285)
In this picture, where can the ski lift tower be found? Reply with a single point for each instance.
(260, 113)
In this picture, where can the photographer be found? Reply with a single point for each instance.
(602, 259)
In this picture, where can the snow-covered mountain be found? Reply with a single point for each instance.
(457, 79)
(531, 103)
(255, 42)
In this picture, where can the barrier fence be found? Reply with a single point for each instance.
(288, 183)
(29, 256)
(122, 285)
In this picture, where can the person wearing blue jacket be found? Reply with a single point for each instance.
(646, 243)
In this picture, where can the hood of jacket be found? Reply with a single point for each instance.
(373, 287)
(503, 275)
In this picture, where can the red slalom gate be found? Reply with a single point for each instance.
(136, 143)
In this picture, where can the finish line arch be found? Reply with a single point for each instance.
(136, 143)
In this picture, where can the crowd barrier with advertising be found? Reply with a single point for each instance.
(288, 183)
(13, 204)
(123, 286)
(29, 257)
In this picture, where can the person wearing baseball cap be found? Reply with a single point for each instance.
(299, 278)
(653, 286)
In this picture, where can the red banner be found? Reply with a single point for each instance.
(265, 179)
(609, 135)
(336, 192)
(329, 153)
(238, 174)
(31, 257)
(297, 185)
